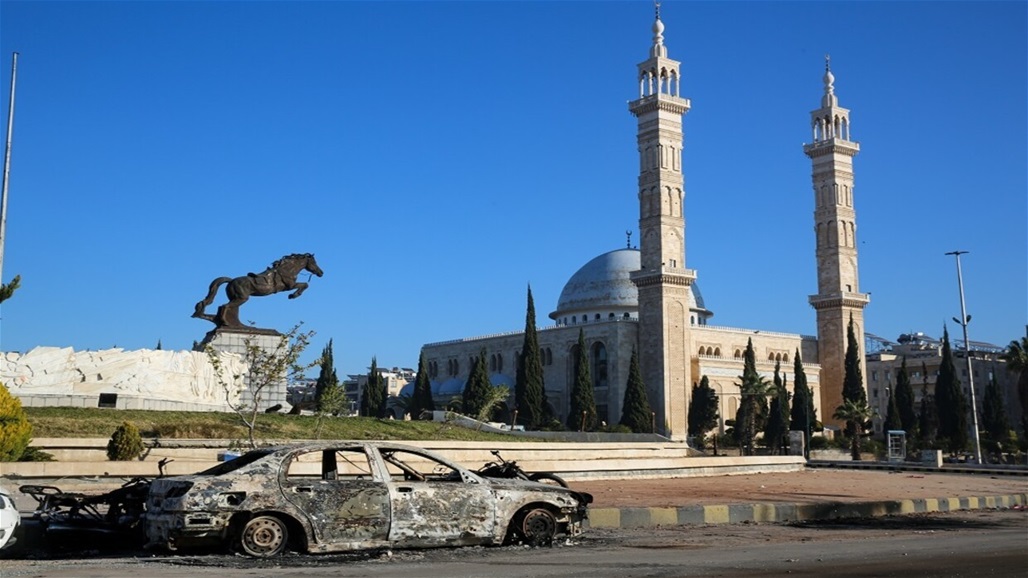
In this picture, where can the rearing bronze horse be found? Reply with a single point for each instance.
(280, 276)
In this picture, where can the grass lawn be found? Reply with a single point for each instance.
(60, 422)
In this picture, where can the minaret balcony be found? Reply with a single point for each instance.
(832, 145)
(659, 101)
(840, 299)
(663, 276)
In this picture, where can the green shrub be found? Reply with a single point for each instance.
(819, 443)
(15, 429)
(32, 454)
(126, 443)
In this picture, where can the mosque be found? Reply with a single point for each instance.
(646, 299)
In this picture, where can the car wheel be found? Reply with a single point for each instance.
(549, 479)
(537, 527)
(264, 537)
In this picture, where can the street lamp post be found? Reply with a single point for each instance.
(963, 321)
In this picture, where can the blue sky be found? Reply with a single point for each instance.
(438, 157)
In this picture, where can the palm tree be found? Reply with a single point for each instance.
(857, 415)
(1016, 357)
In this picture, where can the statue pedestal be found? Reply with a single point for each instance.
(230, 340)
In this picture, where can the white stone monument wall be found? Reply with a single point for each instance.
(141, 379)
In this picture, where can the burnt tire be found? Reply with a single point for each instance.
(550, 479)
(263, 537)
(536, 527)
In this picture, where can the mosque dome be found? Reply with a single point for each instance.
(602, 290)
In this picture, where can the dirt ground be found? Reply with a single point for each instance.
(807, 486)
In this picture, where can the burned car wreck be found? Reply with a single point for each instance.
(350, 496)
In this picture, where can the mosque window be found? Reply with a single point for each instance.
(785, 358)
(611, 316)
(599, 369)
(738, 354)
(499, 362)
(627, 316)
(717, 352)
(597, 316)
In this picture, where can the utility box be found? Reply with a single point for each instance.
(932, 458)
(796, 443)
(896, 441)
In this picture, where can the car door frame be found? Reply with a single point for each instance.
(344, 514)
(437, 512)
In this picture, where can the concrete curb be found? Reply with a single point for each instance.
(784, 512)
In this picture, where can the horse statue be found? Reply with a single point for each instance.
(280, 276)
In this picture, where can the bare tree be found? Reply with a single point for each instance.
(263, 369)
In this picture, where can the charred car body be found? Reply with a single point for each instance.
(353, 495)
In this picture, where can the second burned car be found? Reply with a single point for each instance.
(354, 495)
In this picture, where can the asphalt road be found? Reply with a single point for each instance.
(978, 543)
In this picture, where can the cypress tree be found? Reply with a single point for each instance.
(778, 414)
(749, 419)
(994, 416)
(853, 382)
(636, 413)
(892, 415)
(928, 419)
(803, 415)
(422, 399)
(373, 402)
(703, 412)
(529, 389)
(950, 402)
(476, 390)
(905, 401)
(582, 412)
(326, 375)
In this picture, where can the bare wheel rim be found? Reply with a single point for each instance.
(539, 527)
(264, 536)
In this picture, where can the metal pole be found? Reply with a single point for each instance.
(806, 418)
(964, 319)
(7, 163)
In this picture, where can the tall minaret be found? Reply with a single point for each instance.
(663, 281)
(838, 296)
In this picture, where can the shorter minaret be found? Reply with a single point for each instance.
(838, 298)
